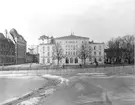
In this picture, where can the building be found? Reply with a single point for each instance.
(45, 50)
(7, 51)
(70, 45)
(97, 52)
(33, 49)
(20, 46)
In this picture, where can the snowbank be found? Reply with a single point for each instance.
(62, 80)
(31, 101)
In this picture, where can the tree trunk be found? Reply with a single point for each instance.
(84, 61)
(58, 63)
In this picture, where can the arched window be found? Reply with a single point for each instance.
(67, 61)
(71, 60)
(76, 60)
(100, 59)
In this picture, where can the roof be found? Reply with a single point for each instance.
(43, 37)
(71, 37)
(14, 34)
(92, 42)
(2, 36)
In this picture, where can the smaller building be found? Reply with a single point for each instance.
(7, 51)
(97, 52)
(45, 50)
(32, 58)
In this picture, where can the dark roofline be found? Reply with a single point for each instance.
(92, 42)
(73, 36)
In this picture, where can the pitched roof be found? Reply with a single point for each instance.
(2, 36)
(14, 34)
(71, 37)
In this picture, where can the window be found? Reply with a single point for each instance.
(99, 47)
(48, 48)
(43, 48)
(48, 54)
(67, 60)
(73, 53)
(94, 53)
(71, 60)
(94, 47)
(74, 47)
(76, 60)
(48, 60)
(76, 53)
(99, 53)
(69, 53)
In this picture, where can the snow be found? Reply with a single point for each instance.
(31, 101)
(63, 80)
(9, 100)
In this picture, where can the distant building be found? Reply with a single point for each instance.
(97, 52)
(70, 45)
(45, 50)
(7, 51)
(20, 46)
(32, 49)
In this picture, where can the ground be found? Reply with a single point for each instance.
(84, 88)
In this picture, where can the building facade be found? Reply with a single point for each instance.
(71, 45)
(97, 52)
(20, 47)
(7, 51)
(45, 50)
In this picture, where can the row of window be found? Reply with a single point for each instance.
(95, 47)
(48, 60)
(71, 53)
(7, 53)
(48, 48)
(71, 60)
(95, 53)
(95, 59)
(48, 53)
(5, 46)
(8, 59)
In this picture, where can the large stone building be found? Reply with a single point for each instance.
(7, 51)
(20, 47)
(70, 45)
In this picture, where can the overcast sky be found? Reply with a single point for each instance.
(99, 20)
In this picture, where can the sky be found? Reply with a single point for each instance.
(100, 20)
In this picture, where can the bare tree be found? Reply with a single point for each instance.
(84, 52)
(57, 52)
(121, 48)
(128, 45)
